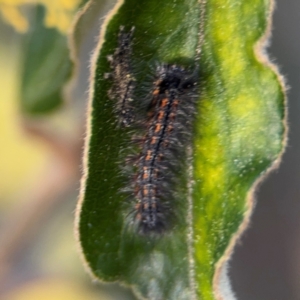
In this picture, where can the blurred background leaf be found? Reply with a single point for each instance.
(24, 157)
(46, 66)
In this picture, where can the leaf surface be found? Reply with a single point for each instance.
(238, 134)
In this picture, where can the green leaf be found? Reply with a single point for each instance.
(238, 135)
(241, 130)
(46, 66)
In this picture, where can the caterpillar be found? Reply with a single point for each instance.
(123, 80)
(160, 142)
(163, 146)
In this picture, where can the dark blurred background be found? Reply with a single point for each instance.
(266, 263)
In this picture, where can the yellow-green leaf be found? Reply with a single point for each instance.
(238, 134)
